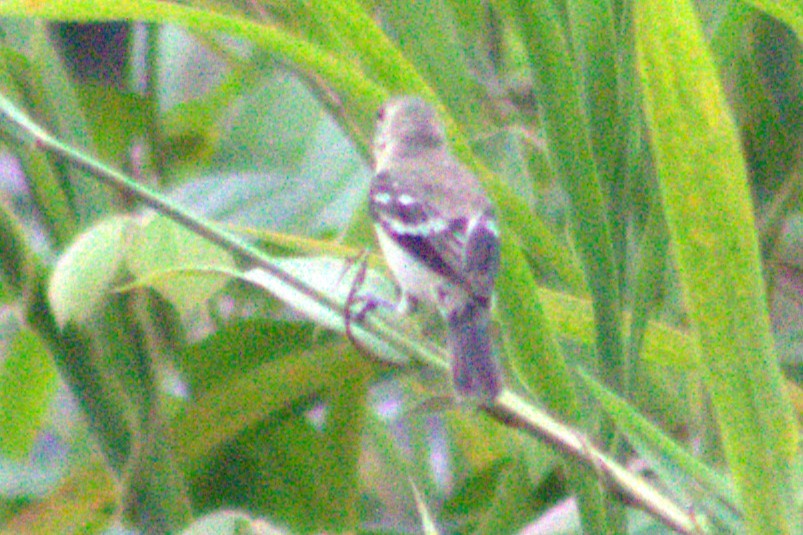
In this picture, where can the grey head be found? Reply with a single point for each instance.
(406, 126)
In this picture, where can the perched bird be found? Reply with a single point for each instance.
(439, 236)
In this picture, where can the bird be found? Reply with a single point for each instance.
(440, 238)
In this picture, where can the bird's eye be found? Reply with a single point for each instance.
(380, 114)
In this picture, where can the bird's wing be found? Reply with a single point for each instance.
(464, 250)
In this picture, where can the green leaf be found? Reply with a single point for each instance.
(87, 270)
(17, 260)
(710, 217)
(512, 503)
(568, 130)
(666, 456)
(595, 50)
(535, 354)
(238, 347)
(787, 11)
(377, 53)
(162, 246)
(542, 366)
(572, 319)
(222, 412)
(22, 83)
(336, 278)
(117, 120)
(28, 381)
(306, 56)
(426, 32)
(57, 99)
(228, 523)
(338, 473)
(227, 114)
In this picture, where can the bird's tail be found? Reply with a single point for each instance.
(476, 372)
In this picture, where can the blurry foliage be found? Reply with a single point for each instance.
(218, 410)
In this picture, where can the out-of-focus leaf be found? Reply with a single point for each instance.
(86, 271)
(16, 257)
(568, 129)
(511, 504)
(163, 245)
(682, 472)
(787, 11)
(230, 523)
(710, 216)
(291, 457)
(335, 278)
(85, 502)
(203, 106)
(57, 99)
(342, 426)
(307, 57)
(272, 128)
(427, 33)
(28, 382)
(117, 120)
(240, 346)
(310, 179)
(21, 84)
(222, 412)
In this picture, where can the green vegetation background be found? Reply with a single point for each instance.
(644, 159)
